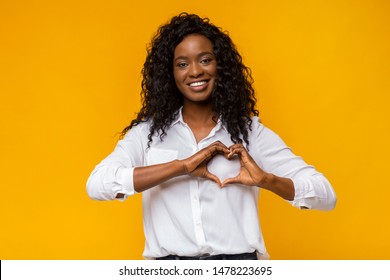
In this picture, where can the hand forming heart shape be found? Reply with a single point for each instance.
(243, 171)
(224, 168)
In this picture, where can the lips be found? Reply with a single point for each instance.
(198, 83)
(199, 86)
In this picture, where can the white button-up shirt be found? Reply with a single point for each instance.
(189, 216)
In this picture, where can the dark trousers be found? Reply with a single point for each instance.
(244, 256)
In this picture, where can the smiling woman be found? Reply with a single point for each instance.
(198, 152)
(195, 68)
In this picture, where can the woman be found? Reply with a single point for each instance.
(199, 154)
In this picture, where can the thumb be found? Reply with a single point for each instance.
(230, 181)
(214, 178)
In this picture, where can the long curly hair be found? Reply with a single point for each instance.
(233, 96)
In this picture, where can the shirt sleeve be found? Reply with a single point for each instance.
(114, 174)
(312, 189)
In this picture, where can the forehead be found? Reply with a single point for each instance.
(193, 44)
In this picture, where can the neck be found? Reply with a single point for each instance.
(198, 113)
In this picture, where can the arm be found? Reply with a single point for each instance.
(252, 175)
(149, 176)
(113, 176)
(274, 167)
(122, 173)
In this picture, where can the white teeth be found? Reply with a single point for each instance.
(198, 84)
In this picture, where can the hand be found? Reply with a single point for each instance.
(196, 165)
(250, 173)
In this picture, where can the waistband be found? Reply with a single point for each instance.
(244, 256)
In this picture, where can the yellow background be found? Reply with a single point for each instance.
(70, 81)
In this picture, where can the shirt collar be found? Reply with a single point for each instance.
(179, 119)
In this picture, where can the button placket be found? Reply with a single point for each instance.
(194, 198)
(195, 205)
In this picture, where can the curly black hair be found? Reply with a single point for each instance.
(233, 97)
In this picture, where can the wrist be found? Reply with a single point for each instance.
(180, 167)
(265, 180)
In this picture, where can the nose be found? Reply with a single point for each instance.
(195, 70)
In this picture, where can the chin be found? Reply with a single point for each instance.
(205, 97)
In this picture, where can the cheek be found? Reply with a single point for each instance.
(178, 76)
(178, 81)
(213, 71)
(175, 75)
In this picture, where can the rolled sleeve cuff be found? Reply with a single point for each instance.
(303, 190)
(315, 193)
(125, 181)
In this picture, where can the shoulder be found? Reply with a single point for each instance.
(142, 129)
(261, 134)
(256, 126)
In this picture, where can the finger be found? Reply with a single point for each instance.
(219, 149)
(237, 145)
(233, 180)
(222, 148)
(236, 151)
(217, 143)
(214, 178)
(220, 144)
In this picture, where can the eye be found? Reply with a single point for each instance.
(182, 64)
(206, 60)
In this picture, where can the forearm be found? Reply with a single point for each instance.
(282, 187)
(153, 175)
(149, 176)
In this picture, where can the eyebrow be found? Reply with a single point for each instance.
(199, 55)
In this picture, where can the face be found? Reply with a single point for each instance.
(195, 68)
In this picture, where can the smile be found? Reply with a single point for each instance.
(196, 84)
